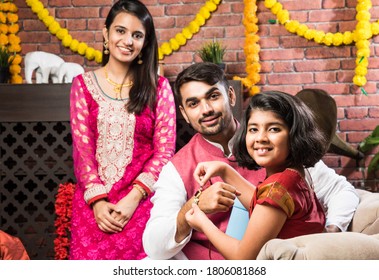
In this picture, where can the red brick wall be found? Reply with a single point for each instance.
(289, 63)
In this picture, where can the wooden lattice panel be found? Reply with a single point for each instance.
(35, 159)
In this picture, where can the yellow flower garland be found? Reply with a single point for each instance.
(8, 38)
(251, 48)
(364, 31)
(90, 53)
(62, 33)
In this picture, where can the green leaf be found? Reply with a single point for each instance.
(364, 91)
(370, 141)
(375, 132)
(212, 52)
(373, 141)
(374, 164)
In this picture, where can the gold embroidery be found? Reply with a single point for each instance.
(279, 195)
(147, 179)
(116, 135)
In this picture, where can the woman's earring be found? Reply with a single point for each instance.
(106, 50)
(140, 61)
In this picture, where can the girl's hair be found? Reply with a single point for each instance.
(206, 72)
(307, 142)
(145, 75)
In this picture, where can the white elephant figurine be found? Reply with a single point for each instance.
(68, 71)
(45, 64)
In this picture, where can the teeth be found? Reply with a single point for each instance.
(262, 151)
(125, 49)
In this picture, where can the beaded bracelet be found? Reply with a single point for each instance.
(141, 190)
(143, 186)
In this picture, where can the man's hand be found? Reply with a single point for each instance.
(218, 197)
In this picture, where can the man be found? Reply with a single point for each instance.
(206, 102)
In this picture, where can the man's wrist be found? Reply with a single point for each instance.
(197, 195)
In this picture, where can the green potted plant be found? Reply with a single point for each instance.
(213, 52)
(6, 59)
(368, 144)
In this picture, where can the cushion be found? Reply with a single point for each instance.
(323, 246)
(366, 217)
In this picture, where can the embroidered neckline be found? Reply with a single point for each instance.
(105, 94)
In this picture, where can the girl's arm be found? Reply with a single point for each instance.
(265, 224)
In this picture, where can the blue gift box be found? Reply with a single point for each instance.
(238, 221)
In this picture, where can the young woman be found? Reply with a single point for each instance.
(278, 133)
(123, 129)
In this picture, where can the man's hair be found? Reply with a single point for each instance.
(307, 142)
(206, 72)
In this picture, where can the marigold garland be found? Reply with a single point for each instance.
(81, 48)
(251, 47)
(9, 39)
(62, 33)
(63, 211)
(364, 31)
(187, 32)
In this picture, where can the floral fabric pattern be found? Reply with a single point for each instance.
(111, 149)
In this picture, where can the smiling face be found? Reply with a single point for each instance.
(126, 37)
(207, 107)
(267, 140)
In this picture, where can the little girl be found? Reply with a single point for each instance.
(278, 132)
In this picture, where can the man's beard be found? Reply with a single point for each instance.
(215, 129)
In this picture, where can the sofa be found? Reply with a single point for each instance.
(360, 242)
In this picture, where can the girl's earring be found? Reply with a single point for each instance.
(106, 50)
(140, 61)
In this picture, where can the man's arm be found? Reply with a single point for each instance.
(338, 197)
(169, 197)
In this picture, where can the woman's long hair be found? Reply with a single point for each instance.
(144, 91)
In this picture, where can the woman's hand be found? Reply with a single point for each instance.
(126, 206)
(102, 211)
(206, 170)
(196, 218)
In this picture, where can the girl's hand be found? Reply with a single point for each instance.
(206, 170)
(102, 211)
(196, 218)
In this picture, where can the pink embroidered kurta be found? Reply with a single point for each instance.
(111, 149)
